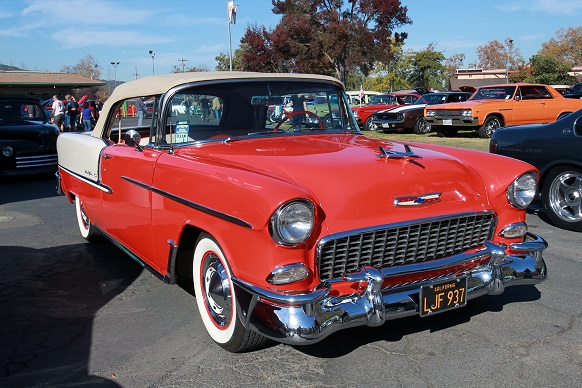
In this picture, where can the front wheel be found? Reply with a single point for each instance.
(562, 197)
(216, 299)
(421, 127)
(369, 126)
(489, 127)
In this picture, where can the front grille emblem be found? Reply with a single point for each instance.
(421, 200)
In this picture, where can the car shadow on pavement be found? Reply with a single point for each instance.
(49, 298)
(346, 341)
(28, 187)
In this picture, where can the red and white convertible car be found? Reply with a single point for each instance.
(296, 229)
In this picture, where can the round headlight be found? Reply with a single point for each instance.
(522, 191)
(7, 151)
(292, 223)
(430, 113)
(467, 113)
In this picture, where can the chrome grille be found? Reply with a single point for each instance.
(447, 113)
(410, 243)
(36, 161)
(390, 116)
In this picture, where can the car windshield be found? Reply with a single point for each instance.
(232, 110)
(431, 99)
(388, 99)
(21, 110)
(494, 93)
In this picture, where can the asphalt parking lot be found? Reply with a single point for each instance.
(74, 313)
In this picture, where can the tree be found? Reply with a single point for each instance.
(86, 67)
(451, 65)
(565, 47)
(90, 68)
(426, 68)
(178, 69)
(223, 60)
(495, 55)
(327, 37)
(549, 71)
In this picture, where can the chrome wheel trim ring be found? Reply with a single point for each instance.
(217, 291)
(565, 196)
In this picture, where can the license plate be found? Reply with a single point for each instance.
(443, 296)
(447, 121)
(385, 125)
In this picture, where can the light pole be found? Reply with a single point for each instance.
(114, 74)
(153, 55)
(509, 52)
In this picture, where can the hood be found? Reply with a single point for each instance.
(403, 108)
(348, 179)
(30, 131)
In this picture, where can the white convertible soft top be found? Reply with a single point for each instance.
(159, 84)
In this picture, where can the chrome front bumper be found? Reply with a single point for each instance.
(301, 319)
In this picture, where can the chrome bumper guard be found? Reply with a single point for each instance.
(300, 319)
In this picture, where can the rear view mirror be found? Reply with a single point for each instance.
(266, 100)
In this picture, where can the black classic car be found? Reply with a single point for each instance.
(27, 139)
(555, 149)
(410, 117)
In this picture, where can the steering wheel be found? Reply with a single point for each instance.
(299, 112)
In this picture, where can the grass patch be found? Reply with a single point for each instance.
(464, 139)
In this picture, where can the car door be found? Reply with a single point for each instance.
(531, 106)
(128, 172)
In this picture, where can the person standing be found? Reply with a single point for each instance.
(72, 110)
(140, 108)
(205, 108)
(217, 108)
(58, 112)
(86, 116)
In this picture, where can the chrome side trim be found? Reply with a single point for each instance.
(97, 185)
(190, 204)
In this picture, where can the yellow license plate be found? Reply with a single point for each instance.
(442, 296)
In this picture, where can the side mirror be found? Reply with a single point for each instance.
(132, 139)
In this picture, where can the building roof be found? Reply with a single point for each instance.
(32, 78)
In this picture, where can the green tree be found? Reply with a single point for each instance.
(327, 36)
(426, 68)
(390, 76)
(549, 71)
(223, 60)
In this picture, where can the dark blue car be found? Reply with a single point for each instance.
(556, 150)
(27, 139)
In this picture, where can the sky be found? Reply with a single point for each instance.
(48, 35)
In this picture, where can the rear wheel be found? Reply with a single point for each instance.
(421, 126)
(491, 124)
(216, 299)
(86, 228)
(562, 197)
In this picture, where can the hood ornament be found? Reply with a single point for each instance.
(395, 154)
(420, 200)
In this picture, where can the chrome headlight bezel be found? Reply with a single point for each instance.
(430, 113)
(467, 113)
(7, 151)
(522, 191)
(292, 223)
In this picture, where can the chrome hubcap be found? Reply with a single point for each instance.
(217, 290)
(566, 196)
